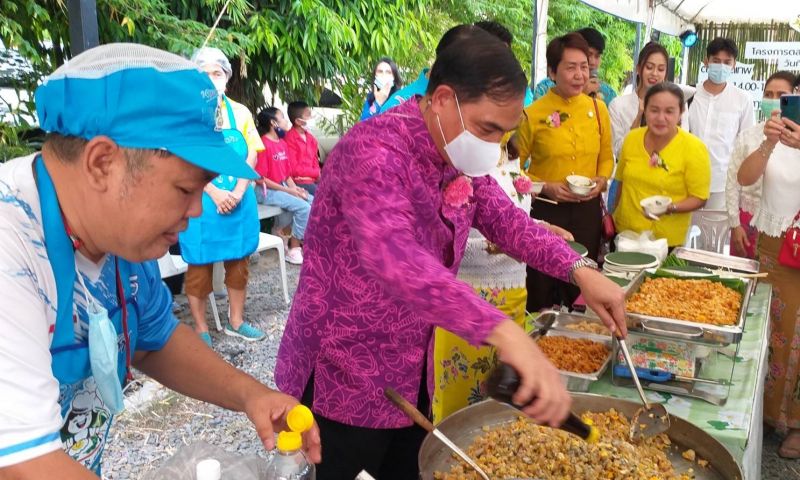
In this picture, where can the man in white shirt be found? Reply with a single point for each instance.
(718, 112)
(132, 141)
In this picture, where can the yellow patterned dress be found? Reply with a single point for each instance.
(461, 369)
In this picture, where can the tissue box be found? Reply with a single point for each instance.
(658, 354)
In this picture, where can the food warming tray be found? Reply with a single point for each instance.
(686, 328)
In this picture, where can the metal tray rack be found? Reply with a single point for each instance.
(716, 365)
(687, 329)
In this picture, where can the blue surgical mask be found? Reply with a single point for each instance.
(768, 105)
(104, 354)
(719, 72)
(280, 132)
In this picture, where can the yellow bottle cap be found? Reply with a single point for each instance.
(289, 441)
(300, 419)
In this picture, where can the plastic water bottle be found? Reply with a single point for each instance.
(288, 462)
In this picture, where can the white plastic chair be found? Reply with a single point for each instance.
(710, 230)
(171, 265)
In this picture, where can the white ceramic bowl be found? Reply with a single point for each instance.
(537, 187)
(656, 205)
(580, 185)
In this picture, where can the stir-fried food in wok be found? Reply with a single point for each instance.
(577, 355)
(522, 449)
(701, 301)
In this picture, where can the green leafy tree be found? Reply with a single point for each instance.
(296, 47)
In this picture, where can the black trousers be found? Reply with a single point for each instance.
(385, 453)
(583, 220)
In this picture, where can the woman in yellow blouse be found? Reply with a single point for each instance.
(566, 132)
(662, 159)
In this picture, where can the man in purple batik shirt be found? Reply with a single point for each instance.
(388, 230)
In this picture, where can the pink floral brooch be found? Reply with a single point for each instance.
(522, 184)
(458, 192)
(555, 119)
(657, 162)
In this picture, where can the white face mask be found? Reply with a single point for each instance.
(383, 81)
(308, 123)
(469, 154)
(220, 84)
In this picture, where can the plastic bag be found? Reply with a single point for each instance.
(182, 465)
(646, 242)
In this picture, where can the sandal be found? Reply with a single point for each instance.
(790, 448)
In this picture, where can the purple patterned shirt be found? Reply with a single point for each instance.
(380, 260)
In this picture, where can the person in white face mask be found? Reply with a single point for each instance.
(303, 147)
(718, 112)
(386, 80)
(387, 233)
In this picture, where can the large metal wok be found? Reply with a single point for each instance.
(463, 426)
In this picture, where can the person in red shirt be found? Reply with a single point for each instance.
(303, 147)
(276, 186)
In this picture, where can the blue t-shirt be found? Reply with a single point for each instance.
(38, 412)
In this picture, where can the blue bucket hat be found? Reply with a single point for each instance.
(141, 97)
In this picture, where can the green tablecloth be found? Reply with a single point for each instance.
(737, 424)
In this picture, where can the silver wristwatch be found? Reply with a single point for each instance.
(580, 263)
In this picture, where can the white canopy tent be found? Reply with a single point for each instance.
(671, 16)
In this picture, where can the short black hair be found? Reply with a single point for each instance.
(295, 110)
(477, 65)
(668, 87)
(497, 29)
(265, 118)
(787, 77)
(593, 38)
(556, 47)
(722, 44)
(454, 34)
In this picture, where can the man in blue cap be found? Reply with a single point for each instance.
(132, 141)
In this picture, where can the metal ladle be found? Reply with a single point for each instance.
(653, 418)
(423, 422)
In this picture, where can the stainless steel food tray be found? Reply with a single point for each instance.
(466, 424)
(687, 329)
(580, 382)
(703, 258)
(563, 320)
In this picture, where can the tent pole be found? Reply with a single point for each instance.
(636, 49)
(538, 62)
(685, 66)
(533, 43)
(83, 33)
